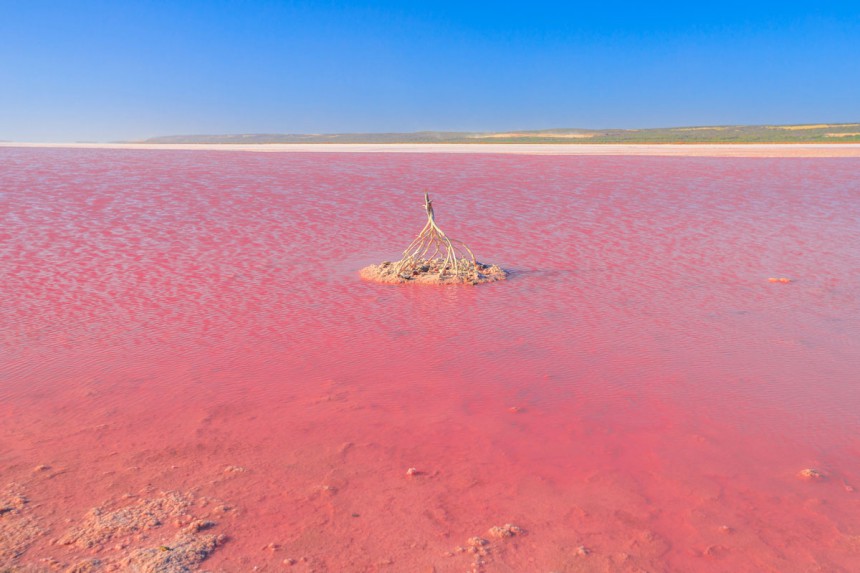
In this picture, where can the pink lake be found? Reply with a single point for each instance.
(638, 396)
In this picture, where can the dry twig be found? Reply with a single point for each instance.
(428, 248)
(433, 257)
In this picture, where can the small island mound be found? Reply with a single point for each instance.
(434, 258)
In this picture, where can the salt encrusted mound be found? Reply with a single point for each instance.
(18, 529)
(434, 258)
(157, 534)
(102, 525)
(430, 272)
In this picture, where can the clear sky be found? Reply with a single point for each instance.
(130, 69)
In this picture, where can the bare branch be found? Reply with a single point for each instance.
(433, 257)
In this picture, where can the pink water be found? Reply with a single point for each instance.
(637, 387)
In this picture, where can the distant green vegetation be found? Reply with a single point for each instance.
(805, 133)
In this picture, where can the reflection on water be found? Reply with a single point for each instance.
(637, 387)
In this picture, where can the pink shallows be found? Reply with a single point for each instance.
(637, 388)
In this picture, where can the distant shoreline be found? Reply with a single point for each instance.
(640, 149)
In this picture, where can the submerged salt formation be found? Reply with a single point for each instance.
(159, 534)
(434, 258)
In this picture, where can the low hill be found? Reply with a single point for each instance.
(804, 133)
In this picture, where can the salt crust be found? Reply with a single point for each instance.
(154, 534)
(428, 272)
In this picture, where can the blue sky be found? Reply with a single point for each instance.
(124, 70)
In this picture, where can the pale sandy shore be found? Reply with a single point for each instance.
(670, 150)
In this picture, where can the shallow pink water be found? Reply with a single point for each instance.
(167, 314)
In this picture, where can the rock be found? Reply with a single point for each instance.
(812, 474)
(506, 530)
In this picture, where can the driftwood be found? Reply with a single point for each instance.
(433, 257)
